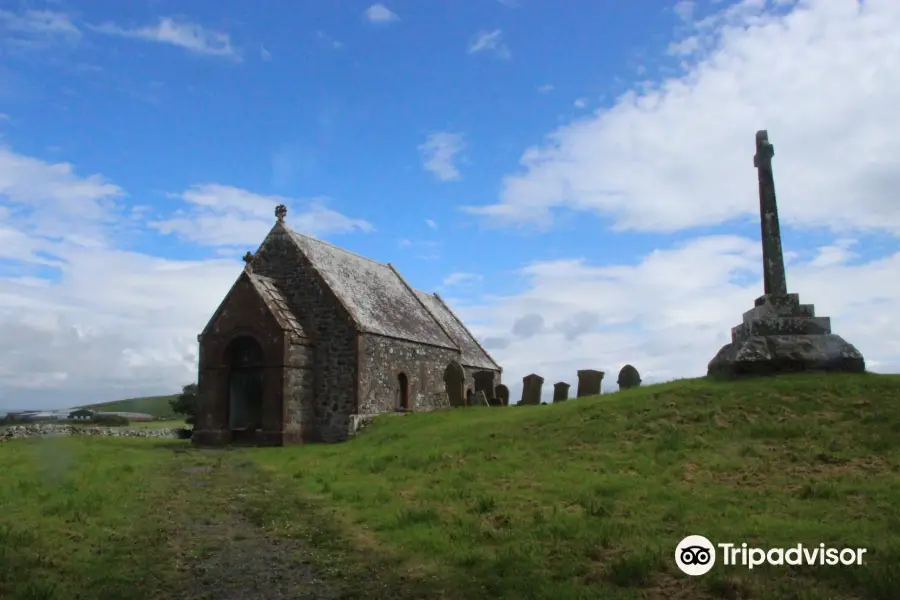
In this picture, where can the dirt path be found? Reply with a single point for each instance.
(235, 541)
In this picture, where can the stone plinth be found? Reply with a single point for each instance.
(780, 335)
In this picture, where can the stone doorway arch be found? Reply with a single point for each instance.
(245, 359)
(454, 380)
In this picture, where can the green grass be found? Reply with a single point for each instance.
(158, 406)
(585, 499)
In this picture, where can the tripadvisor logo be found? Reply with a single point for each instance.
(696, 555)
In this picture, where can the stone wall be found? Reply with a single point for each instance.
(329, 328)
(299, 393)
(16, 432)
(382, 360)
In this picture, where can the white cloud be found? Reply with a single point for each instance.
(431, 224)
(183, 34)
(39, 23)
(491, 42)
(264, 53)
(424, 249)
(685, 9)
(52, 200)
(668, 317)
(838, 253)
(379, 13)
(679, 155)
(545, 88)
(457, 279)
(439, 152)
(580, 102)
(95, 322)
(509, 3)
(335, 44)
(221, 215)
(36, 30)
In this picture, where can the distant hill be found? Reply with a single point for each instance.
(158, 406)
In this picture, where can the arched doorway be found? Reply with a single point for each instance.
(403, 397)
(454, 380)
(245, 387)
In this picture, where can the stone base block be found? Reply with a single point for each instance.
(774, 354)
(781, 326)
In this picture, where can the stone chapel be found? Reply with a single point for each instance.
(311, 337)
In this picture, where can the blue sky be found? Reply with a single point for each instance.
(576, 178)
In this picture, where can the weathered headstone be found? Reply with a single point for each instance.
(628, 378)
(560, 391)
(484, 381)
(531, 389)
(479, 399)
(780, 335)
(589, 382)
(502, 392)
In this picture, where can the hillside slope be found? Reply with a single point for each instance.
(581, 500)
(590, 497)
(158, 406)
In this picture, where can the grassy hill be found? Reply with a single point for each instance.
(158, 406)
(585, 499)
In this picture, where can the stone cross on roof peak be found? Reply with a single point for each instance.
(280, 212)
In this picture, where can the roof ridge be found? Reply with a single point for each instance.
(336, 247)
(422, 304)
(466, 329)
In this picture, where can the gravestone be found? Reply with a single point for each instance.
(531, 389)
(589, 382)
(628, 378)
(560, 392)
(480, 399)
(502, 393)
(780, 335)
(484, 381)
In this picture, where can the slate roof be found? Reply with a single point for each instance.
(472, 354)
(274, 299)
(377, 297)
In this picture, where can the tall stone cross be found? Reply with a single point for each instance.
(774, 280)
